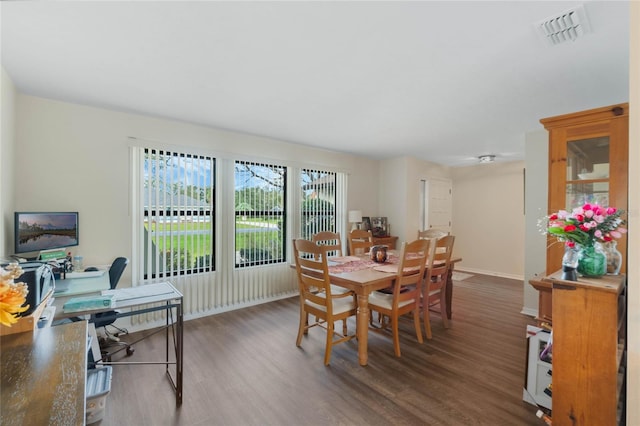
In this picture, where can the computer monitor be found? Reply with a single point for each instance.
(38, 231)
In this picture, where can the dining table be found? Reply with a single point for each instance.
(363, 276)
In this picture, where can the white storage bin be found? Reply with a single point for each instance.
(98, 387)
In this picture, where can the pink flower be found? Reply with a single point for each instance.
(611, 210)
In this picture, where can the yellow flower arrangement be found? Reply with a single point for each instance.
(12, 295)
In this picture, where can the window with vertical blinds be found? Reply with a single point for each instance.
(178, 191)
(260, 222)
(318, 204)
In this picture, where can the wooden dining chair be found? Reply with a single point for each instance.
(330, 240)
(317, 298)
(428, 234)
(434, 289)
(407, 289)
(360, 241)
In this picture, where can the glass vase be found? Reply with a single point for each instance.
(592, 261)
(614, 257)
(570, 263)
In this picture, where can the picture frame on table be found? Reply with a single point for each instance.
(379, 227)
(366, 223)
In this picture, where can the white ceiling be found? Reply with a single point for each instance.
(440, 81)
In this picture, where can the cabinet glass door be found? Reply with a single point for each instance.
(587, 172)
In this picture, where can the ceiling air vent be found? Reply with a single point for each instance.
(567, 26)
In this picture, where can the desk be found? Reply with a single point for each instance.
(77, 286)
(362, 282)
(43, 376)
(139, 300)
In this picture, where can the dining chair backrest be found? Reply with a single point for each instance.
(360, 241)
(442, 255)
(313, 271)
(330, 240)
(412, 265)
(427, 234)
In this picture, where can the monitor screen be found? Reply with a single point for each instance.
(37, 231)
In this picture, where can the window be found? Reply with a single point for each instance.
(178, 213)
(260, 213)
(318, 204)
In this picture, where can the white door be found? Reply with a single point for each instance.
(437, 204)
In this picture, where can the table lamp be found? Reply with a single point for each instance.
(355, 218)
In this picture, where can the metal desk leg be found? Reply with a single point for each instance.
(179, 355)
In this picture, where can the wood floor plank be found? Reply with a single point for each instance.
(243, 368)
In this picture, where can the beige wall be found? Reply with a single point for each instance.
(488, 218)
(400, 192)
(7, 143)
(84, 153)
(633, 268)
(536, 195)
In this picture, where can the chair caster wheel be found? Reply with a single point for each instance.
(130, 351)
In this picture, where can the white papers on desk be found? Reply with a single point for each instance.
(83, 274)
(147, 290)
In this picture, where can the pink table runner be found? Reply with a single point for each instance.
(360, 264)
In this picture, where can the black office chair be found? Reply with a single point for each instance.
(107, 319)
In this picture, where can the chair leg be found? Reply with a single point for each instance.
(302, 327)
(443, 308)
(425, 319)
(344, 327)
(416, 323)
(396, 335)
(329, 345)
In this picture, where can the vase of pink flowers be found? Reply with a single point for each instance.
(583, 230)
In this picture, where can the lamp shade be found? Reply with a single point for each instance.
(355, 216)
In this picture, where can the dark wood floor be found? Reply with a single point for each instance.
(243, 368)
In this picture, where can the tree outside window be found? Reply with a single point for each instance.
(178, 213)
(260, 195)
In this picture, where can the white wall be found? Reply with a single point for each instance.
(488, 218)
(7, 143)
(77, 158)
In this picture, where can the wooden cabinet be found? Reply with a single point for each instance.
(589, 334)
(588, 163)
(389, 241)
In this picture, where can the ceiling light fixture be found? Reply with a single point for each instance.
(487, 158)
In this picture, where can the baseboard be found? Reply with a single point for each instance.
(162, 322)
(491, 273)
